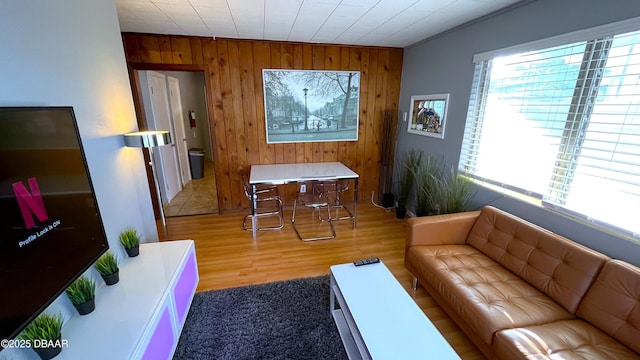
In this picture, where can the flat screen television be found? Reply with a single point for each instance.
(51, 229)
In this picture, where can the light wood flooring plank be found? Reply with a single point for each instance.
(228, 257)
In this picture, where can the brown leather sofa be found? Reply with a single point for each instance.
(522, 292)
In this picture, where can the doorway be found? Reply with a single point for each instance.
(186, 173)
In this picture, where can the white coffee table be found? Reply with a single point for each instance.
(377, 319)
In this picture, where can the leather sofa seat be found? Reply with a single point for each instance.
(572, 339)
(491, 297)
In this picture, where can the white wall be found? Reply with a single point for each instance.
(70, 53)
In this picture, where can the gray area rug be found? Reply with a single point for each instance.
(280, 320)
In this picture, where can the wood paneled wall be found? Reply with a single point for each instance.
(233, 74)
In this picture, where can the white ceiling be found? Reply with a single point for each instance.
(394, 23)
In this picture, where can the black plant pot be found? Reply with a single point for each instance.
(112, 279)
(401, 213)
(134, 251)
(86, 307)
(49, 352)
(388, 200)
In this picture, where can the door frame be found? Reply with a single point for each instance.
(134, 80)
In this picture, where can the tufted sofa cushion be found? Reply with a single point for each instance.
(558, 267)
(613, 303)
(570, 339)
(488, 296)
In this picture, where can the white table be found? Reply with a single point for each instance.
(377, 319)
(279, 174)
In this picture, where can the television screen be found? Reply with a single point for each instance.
(51, 230)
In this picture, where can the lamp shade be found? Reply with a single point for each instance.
(147, 139)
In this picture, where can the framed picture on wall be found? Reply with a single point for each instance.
(311, 105)
(428, 114)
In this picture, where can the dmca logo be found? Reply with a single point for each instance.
(30, 202)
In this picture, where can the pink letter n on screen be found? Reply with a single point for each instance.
(30, 202)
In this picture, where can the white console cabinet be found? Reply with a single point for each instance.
(140, 317)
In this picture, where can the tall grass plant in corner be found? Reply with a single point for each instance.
(405, 186)
(428, 185)
(456, 193)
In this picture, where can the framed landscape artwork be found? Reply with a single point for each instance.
(311, 105)
(428, 115)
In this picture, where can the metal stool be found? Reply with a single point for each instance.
(269, 202)
(312, 199)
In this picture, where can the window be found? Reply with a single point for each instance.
(562, 123)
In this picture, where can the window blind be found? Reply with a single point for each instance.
(562, 124)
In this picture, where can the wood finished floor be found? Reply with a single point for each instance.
(228, 257)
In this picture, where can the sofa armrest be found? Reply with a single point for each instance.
(448, 229)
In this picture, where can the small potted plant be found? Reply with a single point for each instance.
(82, 294)
(44, 334)
(107, 266)
(130, 239)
